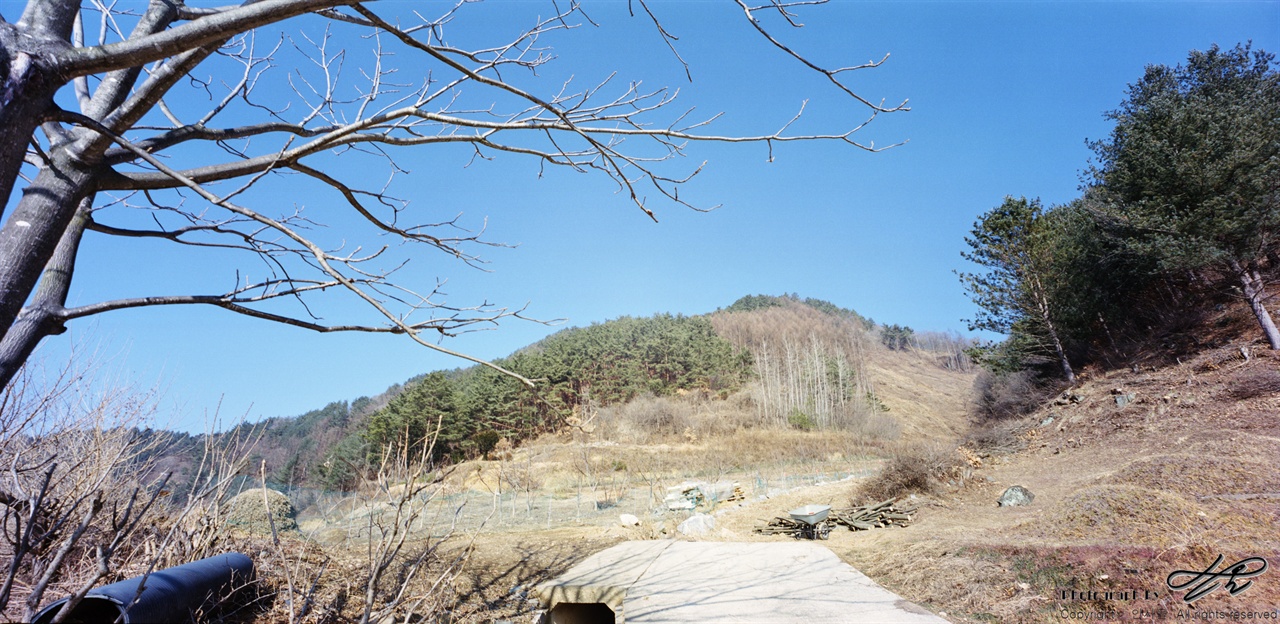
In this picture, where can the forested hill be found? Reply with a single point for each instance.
(806, 355)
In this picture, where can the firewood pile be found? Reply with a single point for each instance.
(863, 518)
(781, 526)
(873, 516)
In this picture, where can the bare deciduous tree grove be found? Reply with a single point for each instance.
(156, 120)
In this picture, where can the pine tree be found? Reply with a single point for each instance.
(1191, 172)
(1015, 244)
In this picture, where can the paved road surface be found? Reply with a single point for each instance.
(666, 581)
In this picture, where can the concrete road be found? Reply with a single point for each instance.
(665, 582)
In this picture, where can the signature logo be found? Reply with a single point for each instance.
(1201, 584)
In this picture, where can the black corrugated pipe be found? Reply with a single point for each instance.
(171, 595)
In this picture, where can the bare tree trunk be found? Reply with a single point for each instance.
(41, 317)
(1255, 293)
(23, 100)
(1042, 303)
(27, 85)
(32, 234)
(1062, 354)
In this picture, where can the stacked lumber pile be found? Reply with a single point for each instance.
(873, 516)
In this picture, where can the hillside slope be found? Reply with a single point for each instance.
(1137, 474)
(788, 363)
(928, 401)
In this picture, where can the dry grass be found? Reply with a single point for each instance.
(1121, 513)
(1201, 475)
(1253, 383)
(248, 512)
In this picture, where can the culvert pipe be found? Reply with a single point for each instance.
(169, 595)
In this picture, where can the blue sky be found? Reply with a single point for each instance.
(1003, 97)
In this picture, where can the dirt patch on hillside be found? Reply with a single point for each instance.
(1182, 472)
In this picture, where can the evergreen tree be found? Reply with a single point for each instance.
(412, 419)
(896, 337)
(1015, 245)
(1191, 172)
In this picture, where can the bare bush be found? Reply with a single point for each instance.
(912, 470)
(82, 501)
(74, 494)
(84, 504)
(1007, 395)
(659, 415)
(404, 573)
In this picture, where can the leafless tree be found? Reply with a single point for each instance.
(165, 122)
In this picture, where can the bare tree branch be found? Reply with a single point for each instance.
(323, 259)
(210, 27)
(193, 152)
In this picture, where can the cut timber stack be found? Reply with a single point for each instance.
(873, 516)
(856, 518)
(781, 526)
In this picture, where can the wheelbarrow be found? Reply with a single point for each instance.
(813, 521)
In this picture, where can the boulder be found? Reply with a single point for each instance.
(697, 525)
(628, 520)
(1015, 496)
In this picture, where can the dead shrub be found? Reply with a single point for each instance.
(995, 437)
(920, 469)
(998, 396)
(83, 502)
(874, 428)
(658, 415)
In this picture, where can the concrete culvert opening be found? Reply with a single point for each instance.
(580, 613)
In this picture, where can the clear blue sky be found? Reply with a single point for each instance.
(1003, 97)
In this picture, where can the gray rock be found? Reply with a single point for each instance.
(1046, 422)
(680, 504)
(1015, 496)
(697, 524)
(1125, 399)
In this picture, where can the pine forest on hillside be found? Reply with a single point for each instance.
(799, 363)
